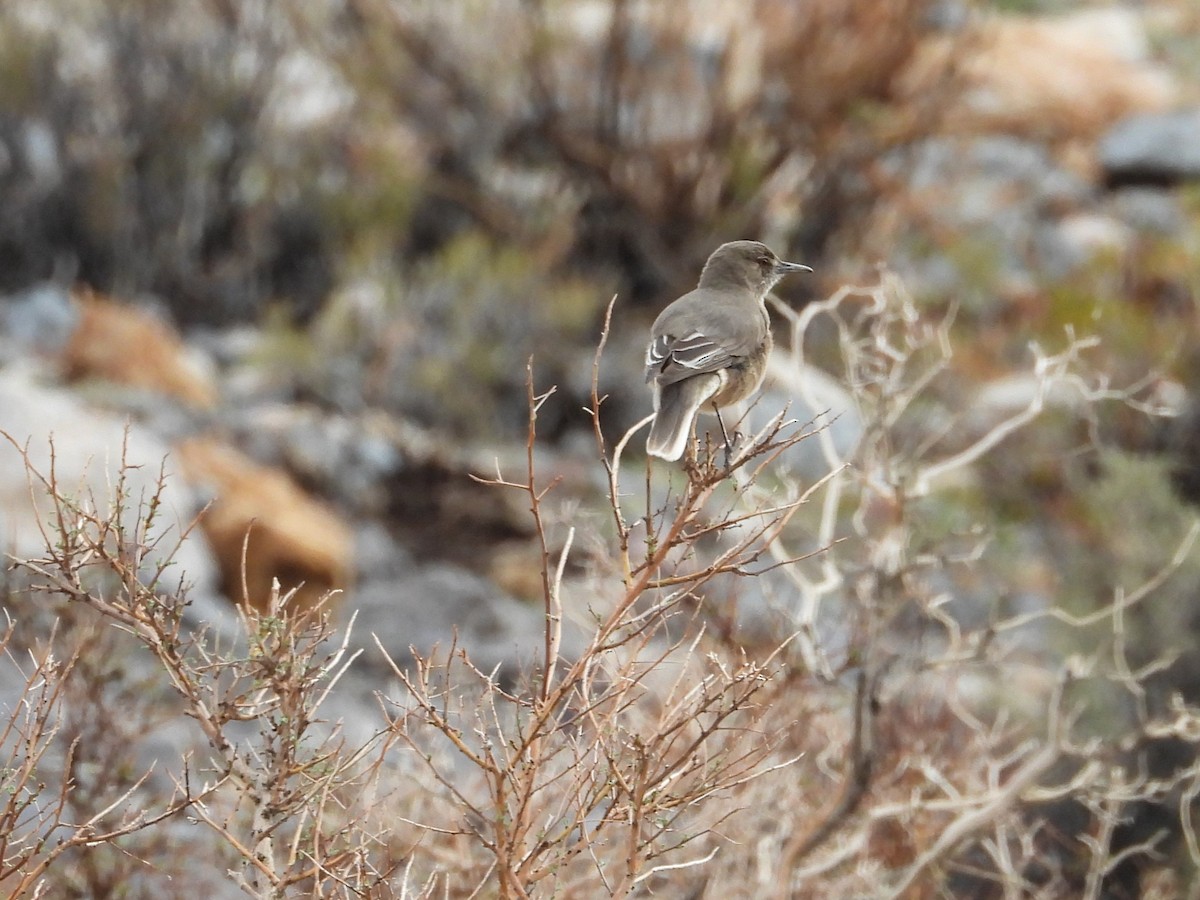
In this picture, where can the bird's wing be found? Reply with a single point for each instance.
(700, 333)
(670, 358)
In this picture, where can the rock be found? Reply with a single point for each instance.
(1155, 148)
(1063, 76)
(85, 449)
(292, 537)
(428, 606)
(122, 344)
(377, 555)
(986, 203)
(808, 395)
(343, 456)
(1149, 209)
(979, 175)
(1079, 239)
(41, 318)
(420, 482)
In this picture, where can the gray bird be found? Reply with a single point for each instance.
(709, 348)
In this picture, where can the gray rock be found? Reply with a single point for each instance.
(349, 457)
(817, 402)
(1154, 148)
(86, 456)
(377, 554)
(1078, 240)
(980, 175)
(426, 607)
(41, 318)
(998, 195)
(1149, 209)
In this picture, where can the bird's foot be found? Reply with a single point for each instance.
(731, 447)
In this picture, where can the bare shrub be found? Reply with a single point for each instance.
(969, 718)
(912, 730)
(598, 771)
(912, 742)
(71, 798)
(277, 788)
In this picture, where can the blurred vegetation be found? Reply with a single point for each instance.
(533, 157)
(447, 339)
(138, 159)
(227, 155)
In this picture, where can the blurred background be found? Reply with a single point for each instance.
(307, 250)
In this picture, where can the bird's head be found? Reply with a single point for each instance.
(746, 264)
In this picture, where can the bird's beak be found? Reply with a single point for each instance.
(785, 268)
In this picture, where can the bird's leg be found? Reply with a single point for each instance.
(725, 435)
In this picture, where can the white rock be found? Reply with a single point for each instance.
(1086, 237)
(85, 449)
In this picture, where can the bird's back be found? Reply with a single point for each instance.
(740, 323)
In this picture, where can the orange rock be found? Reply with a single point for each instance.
(126, 345)
(1060, 77)
(291, 536)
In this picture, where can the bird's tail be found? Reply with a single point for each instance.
(678, 404)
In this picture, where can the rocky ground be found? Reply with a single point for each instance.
(1053, 197)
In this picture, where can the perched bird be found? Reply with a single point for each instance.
(709, 348)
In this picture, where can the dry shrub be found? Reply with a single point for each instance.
(634, 135)
(598, 771)
(278, 793)
(898, 737)
(155, 167)
(626, 135)
(834, 56)
(891, 743)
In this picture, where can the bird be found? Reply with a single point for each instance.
(708, 349)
